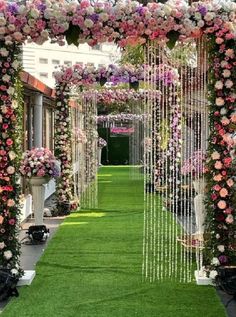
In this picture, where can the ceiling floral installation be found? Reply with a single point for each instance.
(123, 23)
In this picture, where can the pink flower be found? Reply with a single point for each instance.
(217, 187)
(218, 165)
(214, 196)
(9, 142)
(230, 182)
(223, 192)
(219, 102)
(41, 172)
(229, 219)
(222, 204)
(12, 221)
(10, 203)
(233, 117)
(225, 121)
(219, 40)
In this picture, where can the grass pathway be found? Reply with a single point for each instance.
(92, 266)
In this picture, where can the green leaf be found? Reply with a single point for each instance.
(173, 37)
(72, 35)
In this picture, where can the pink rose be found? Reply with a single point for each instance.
(217, 187)
(9, 142)
(229, 219)
(233, 117)
(41, 172)
(223, 192)
(10, 203)
(218, 178)
(222, 204)
(230, 182)
(218, 165)
(214, 196)
(220, 101)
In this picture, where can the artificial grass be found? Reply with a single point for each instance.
(92, 266)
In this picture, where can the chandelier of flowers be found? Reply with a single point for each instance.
(123, 23)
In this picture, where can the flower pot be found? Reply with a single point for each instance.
(38, 195)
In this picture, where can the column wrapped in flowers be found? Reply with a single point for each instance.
(10, 145)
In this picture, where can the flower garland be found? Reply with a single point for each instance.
(124, 22)
(63, 139)
(82, 76)
(11, 110)
(221, 217)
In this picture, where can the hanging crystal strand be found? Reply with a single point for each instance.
(145, 167)
(165, 195)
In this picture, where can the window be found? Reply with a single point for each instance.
(68, 63)
(43, 61)
(55, 62)
(48, 126)
(43, 75)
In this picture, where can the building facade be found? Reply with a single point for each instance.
(42, 61)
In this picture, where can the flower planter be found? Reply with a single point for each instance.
(38, 195)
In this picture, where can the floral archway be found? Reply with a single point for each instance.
(125, 23)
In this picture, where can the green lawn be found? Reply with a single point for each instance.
(92, 266)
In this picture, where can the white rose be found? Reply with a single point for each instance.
(2, 21)
(11, 170)
(226, 73)
(213, 274)
(223, 111)
(2, 245)
(7, 255)
(215, 261)
(11, 91)
(221, 248)
(219, 84)
(88, 23)
(14, 271)
(209, 16)
(229, 83)
(220, 101)
(26, 29)
(4, 52)
(6, 78)
(12, 155)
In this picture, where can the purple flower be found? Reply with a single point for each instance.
(202, 10)
(223, 259)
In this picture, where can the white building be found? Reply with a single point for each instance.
(41, 61)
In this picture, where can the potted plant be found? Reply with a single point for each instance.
(101, 144)
(39, 165)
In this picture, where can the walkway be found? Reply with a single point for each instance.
(92, 266)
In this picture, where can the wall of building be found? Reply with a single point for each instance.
(41, 61)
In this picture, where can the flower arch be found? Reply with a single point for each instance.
(124, 23)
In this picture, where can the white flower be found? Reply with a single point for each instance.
(209, 16)
(2, 30)
(213, 274)
(219, 84)
(104, 17)
(2, 245)
(15, 64)
(6, 78)
(215, 261)
(14, 271)
(7, 255)
(220, 101)
(88, 23)
(4, 52)
(2, 21)
(11, 91)
(229, 83)
(26, 29)
(11, 170)
(223, 111)
(226, 73)
(221, 248)
(11, 27)
(34, 13)
(17, 36)
(217, 236)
